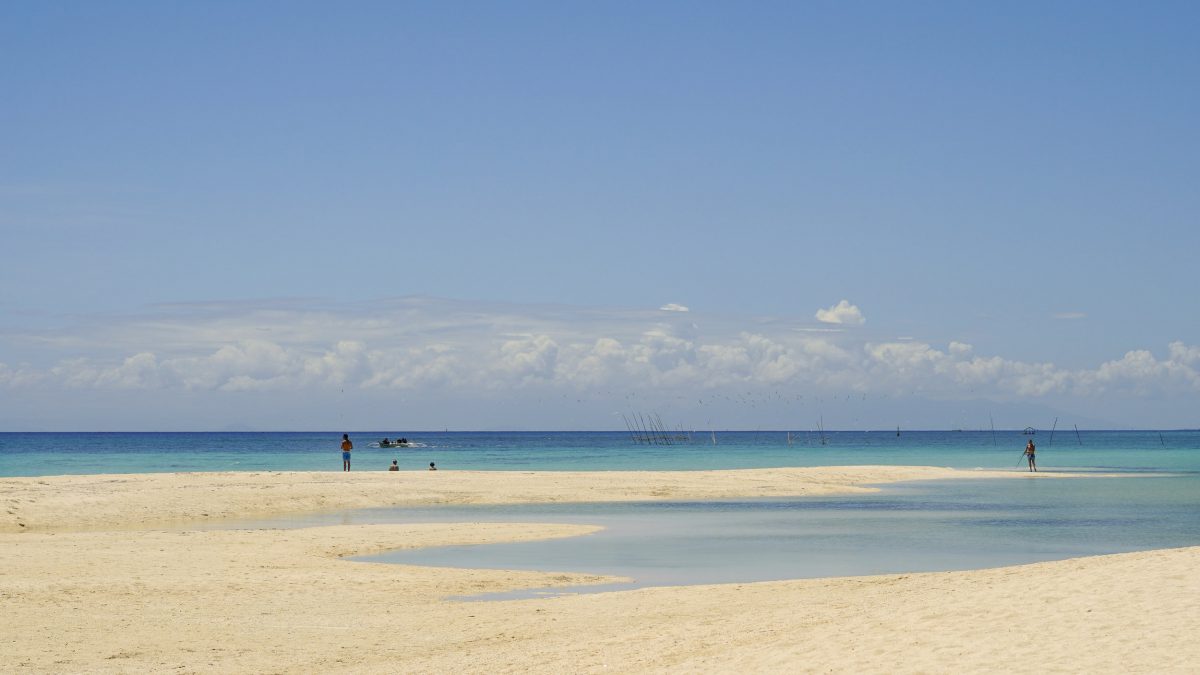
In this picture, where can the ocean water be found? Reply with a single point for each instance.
(905, 527)
(34, 454)
(941, 525)
(910, 527)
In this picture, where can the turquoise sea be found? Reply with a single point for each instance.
(1145, 494)
(33, 454)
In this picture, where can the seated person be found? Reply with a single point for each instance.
(394, 466)
(432, 467)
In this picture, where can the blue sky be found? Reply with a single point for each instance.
(486, 193)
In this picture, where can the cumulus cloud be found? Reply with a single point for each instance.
(672, 307)
(428, 346)
(1183, 354)
(842, 313)
(140, 371)
(960, 348)
(531, 358)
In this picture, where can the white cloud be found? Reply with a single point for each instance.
(672, 307)
(431, 366)
(531, 358)
(16, 377)
(1183, 354)
(1137, 371)
(842, 313)
(140, 371)
(461, 349)
(599, 363)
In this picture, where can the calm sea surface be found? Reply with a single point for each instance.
(34, 454)
(909, 527)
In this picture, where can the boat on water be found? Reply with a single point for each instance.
(401, 443)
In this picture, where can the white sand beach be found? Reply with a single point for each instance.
(141, 500)
(102, 574)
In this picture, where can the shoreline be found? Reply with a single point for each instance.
(109, 593)
(139, 501)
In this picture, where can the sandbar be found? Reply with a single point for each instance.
(101, 574)
(131, 501)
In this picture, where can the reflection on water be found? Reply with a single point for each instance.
(946, 525)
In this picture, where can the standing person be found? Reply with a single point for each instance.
(1030, 449)
(347, 446)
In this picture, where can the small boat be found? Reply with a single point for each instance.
(1029, 431)
(402, 443)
